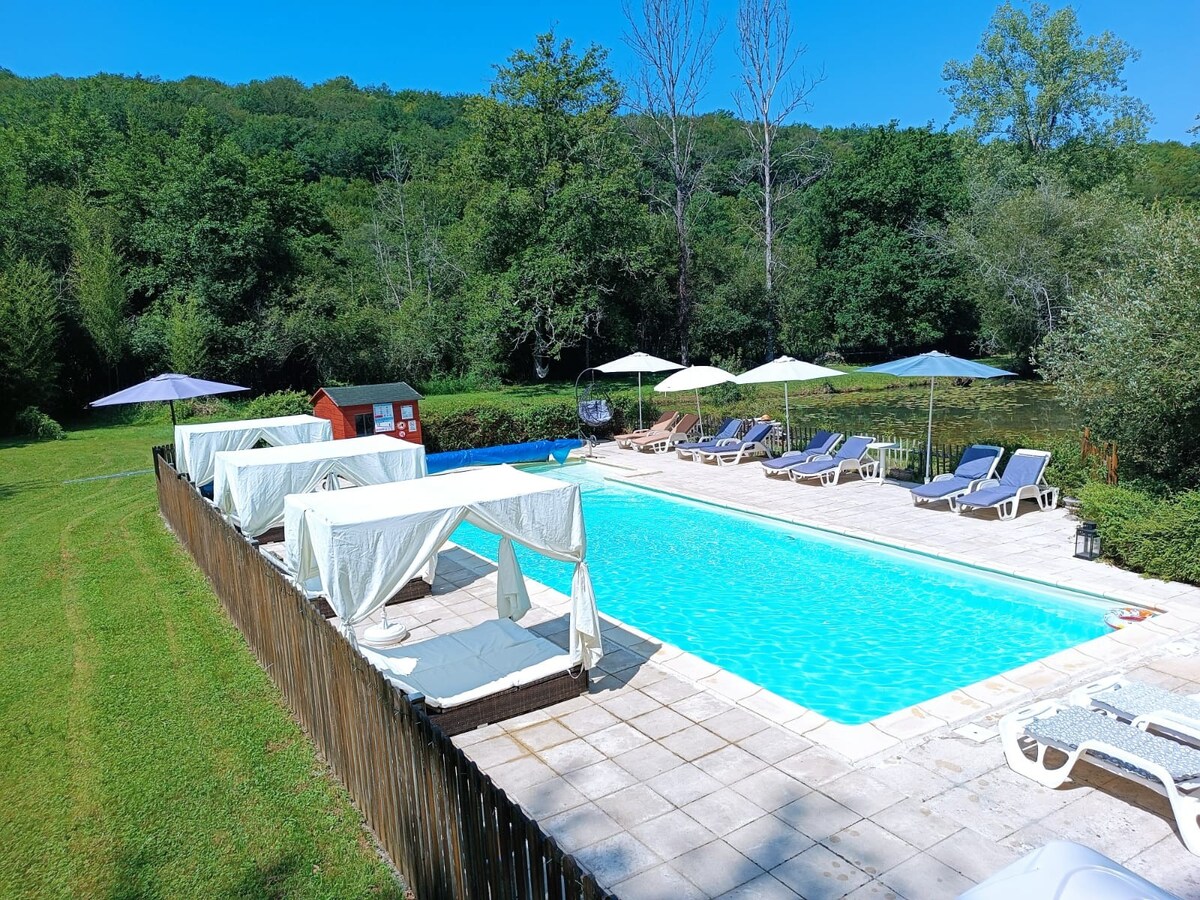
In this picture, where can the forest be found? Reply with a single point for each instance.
(284, 236)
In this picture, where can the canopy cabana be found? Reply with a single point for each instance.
(365, 544)
(250, 486)
(196, 446)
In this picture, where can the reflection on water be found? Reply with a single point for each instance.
(960, 414)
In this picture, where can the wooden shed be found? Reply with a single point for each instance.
(371, 409)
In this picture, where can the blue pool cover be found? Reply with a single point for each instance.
(533, 451)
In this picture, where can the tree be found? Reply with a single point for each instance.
(553, 228)
(30, 326)
(1040, 83)
(772, 91)
(188, 331)
(1030, 251)
(876, 285)
(1128, 359)
(97, 280)
(673, 44)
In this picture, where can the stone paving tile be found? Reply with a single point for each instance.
(693, 742)
(876, 890)
(820, 874)
(648, 760)
(633, 805)
(870, 847)
(684, 784)
(768, 841)
(617, 858)
(764, 887)
(588, 720)
(670, 691)
(543, 735)
(862, 793)
(854, 742)
(549, 798)
(815, 767)
(522, 772)
(914, 822)
(572, 755)
(724, 811)
(630, 704)
(817, 815)
(672, 834)
(773, 744)
(660, 883)
(616, 739)
(581, 825)
(598, 780)
(701, 707)
(729, 764)
(1172, 868)
(771, 788)
(974, 856)
(660, 722)
(496, 750)
(735, 725)
(717, 868)
(924, 878)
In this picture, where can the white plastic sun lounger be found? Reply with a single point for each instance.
(1024, 478)
(1130, 700)
(1065, 870)
(1124, 749)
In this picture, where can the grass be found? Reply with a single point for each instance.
(144, 752)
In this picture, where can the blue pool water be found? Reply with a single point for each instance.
(849, 629)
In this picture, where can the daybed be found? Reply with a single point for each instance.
(196, 446)
(250, 485)
(483, 674)
(365, 543)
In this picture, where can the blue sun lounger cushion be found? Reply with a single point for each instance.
(822, 442)
(728, 431)
(978, 462)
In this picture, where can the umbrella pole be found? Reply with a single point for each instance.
(787, 416)
(929, 432)
(172, 402)
(699, 415)
(640, 426)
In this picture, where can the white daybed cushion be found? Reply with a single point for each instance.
(250, 485)
(454, 669)
(196, 446)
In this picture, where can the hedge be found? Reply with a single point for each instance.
(1146, 533)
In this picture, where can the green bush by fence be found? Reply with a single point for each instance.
(1147, 533)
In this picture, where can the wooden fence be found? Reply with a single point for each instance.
(448, 829)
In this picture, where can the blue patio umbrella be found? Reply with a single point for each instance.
(933, 365)
(169, 387)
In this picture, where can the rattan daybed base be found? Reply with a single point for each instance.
(507, 703)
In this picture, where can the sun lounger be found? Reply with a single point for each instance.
(828, 468)
(664, 423)
(727, 435)
(732, 453)
(1167, 766)
(663, 441)
(1131, 701)
(1023, 479)
(977, 465)
(1065, 870)
(822, 444)
(487, 673)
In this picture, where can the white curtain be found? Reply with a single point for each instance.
(250, 485)
(367, 543)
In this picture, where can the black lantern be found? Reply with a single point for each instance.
(1087, 541)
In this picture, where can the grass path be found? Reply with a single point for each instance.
(143, 753)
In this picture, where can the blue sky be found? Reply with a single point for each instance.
(882, 58)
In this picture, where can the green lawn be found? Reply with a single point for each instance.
(142, 750)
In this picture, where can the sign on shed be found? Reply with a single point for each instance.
(358, 410)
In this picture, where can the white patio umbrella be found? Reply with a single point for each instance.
(638, 362)
(783, 370)
(692, 379)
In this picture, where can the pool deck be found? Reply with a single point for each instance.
(672, 778)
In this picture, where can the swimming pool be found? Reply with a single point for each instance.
(847, 628)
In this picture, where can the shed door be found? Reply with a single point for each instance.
(364, 424)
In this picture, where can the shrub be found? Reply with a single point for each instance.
(33, 422)
(280, 403)
(1155, 535)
